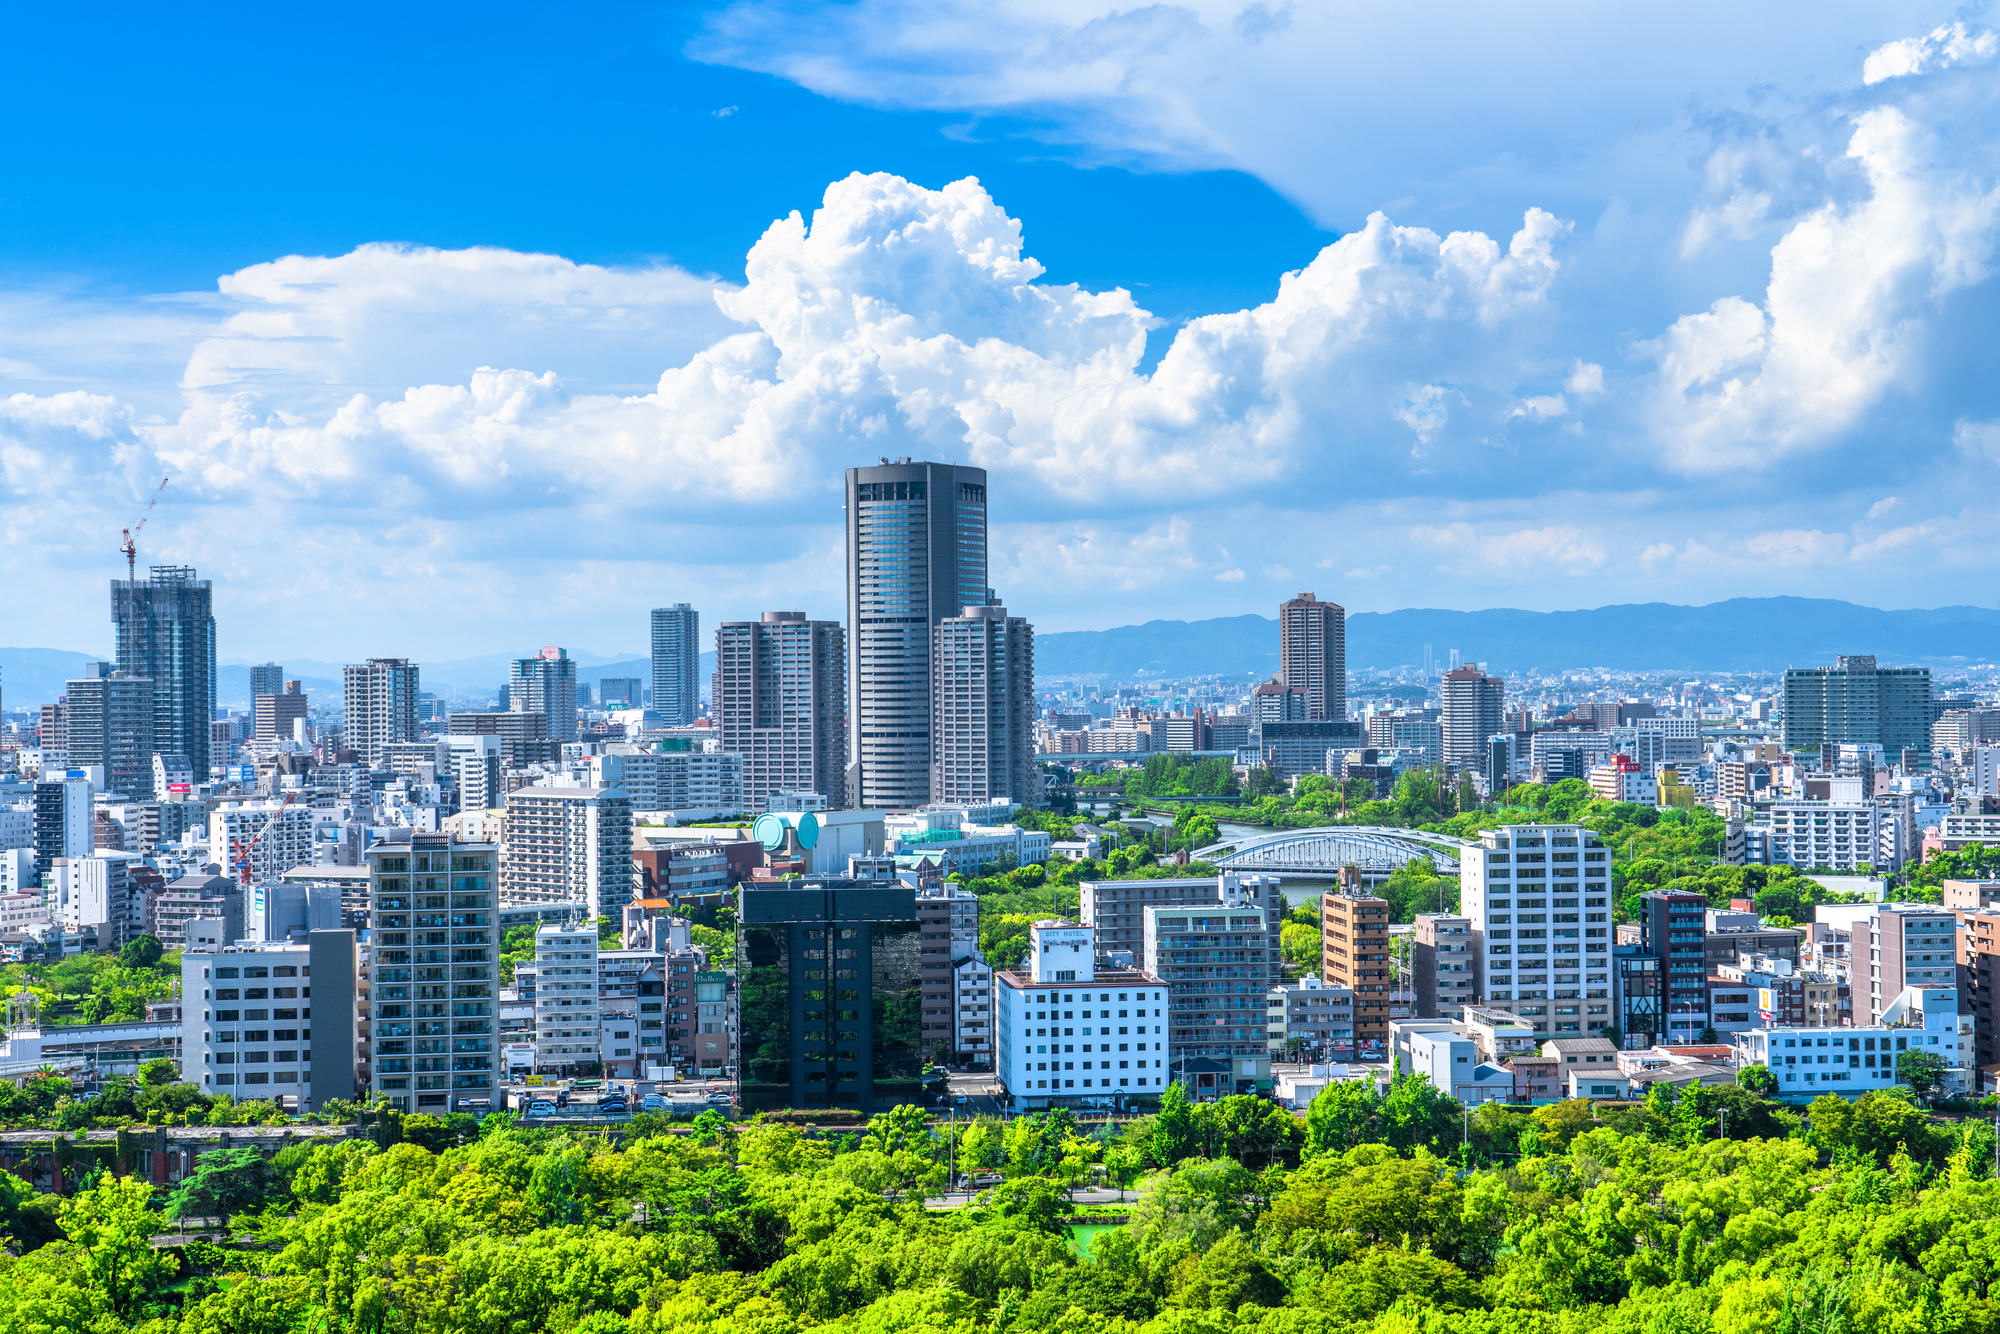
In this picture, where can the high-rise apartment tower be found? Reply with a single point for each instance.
(781, 703)
(1312, 654)
(380, 705)
(983, 710)
(676, 647)
(109, 721)
(1854, 701)
(546, 684)
(165, 626)
(267, 678)
(916, 553)
(1472, 706)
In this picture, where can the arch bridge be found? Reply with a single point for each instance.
(1377, 850)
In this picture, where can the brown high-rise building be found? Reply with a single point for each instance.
(1354, 953)
(277, 712)
(1312, 654)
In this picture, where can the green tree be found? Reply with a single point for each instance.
(113, 1225)
(1342, 1115)
(141, 952)
(1174, 1133)
(1922, 1072)
(225, 1182)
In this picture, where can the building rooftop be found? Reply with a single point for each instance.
(1105, 977)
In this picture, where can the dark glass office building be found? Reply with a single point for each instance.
(832, 997)
(166, 634)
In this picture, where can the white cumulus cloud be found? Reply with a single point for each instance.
(1741, 385)
(1941, 48)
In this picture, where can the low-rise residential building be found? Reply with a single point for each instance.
(1311, 1018)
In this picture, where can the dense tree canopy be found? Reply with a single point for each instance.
(1712, 1212)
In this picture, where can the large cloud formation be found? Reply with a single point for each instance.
(494, 431)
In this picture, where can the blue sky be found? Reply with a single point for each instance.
(449, 326)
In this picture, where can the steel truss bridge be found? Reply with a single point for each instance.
(1376, 850)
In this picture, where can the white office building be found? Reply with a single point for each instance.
(567, 1030)
(1072, 1034)
(1812, 1062)
(252, 1028)
(1539, 899)
(94, 894)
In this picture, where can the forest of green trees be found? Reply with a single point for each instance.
(1399, 1214)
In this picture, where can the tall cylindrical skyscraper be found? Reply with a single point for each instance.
(916, 553)
(676, 687)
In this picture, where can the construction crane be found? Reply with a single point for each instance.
(240, 850)
(131, 551)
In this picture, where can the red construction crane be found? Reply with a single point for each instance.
(239, 858)
(131, 551)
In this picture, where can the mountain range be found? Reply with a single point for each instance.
(1739, 635)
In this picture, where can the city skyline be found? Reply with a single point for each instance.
(1709, 322)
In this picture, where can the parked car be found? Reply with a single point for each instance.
(720, 1100)
(652, 1102)
(541, 1108)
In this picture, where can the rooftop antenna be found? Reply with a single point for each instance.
(131, 551)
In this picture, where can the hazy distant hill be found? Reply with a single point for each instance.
(1742, 634)
(32, 676)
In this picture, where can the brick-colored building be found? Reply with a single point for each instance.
(1354, 953)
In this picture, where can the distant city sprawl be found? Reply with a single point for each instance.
(626, 953)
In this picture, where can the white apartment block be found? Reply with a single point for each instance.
(1539, 901)
(568, 845)
(288, 841)
(568, 1033)
(1678, 739)
(972, 994)
(675, 780)
(1317, 1013)
(1839, 835)
(1596, 747)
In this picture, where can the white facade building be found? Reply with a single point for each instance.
(972, 994)
(251, 1026)
(1069, 1033)
(288, 841)
(568, 1033)
(1849, 1062)
(1839, 835)
(1539, 898)
(568, 845)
